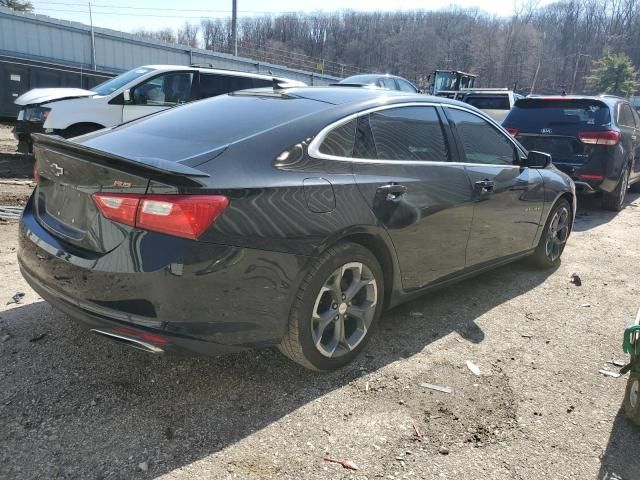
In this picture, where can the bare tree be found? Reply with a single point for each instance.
(188, 34)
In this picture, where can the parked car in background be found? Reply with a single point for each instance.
(593, 139)
(495, 102)
(70, 112)
(388, 82)
(287, 217)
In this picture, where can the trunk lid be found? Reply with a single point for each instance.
(563, 148)
(70, 173)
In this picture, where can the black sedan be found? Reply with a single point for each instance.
(284, 217)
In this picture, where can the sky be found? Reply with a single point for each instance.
(155, 14)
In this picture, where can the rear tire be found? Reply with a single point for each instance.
(632, 399)
(614, 201)
(554, 236)
(336, 308)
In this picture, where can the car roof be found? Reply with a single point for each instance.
(609, 100)
(220, 71)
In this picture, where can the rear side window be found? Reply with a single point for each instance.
(212, 85)
(339, 141)
(625, 116)
(535, 114)
(481, 141)
(405, 133)
(485, 102)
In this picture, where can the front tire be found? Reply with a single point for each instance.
(614, 201)
(336, 308)
(554, 236)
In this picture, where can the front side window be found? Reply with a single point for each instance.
(169, 89)
(481, 141)
(403, 133)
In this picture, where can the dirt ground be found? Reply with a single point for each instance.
(16, 170)
(76, 406)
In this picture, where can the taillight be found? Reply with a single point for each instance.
(512, 131)
(185, 216)
(36, 174)
(589, 176)
(607, 137)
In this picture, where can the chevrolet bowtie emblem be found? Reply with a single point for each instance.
(57, 169)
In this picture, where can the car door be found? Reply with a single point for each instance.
(158, 93)
(628, 128)
(402, 167)
(508, 198)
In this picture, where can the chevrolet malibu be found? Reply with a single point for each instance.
(282, 217)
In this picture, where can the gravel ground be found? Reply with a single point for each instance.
(76, 406)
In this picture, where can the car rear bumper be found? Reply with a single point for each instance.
(194, 297)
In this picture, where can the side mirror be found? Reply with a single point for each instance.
(537, 160)
(127, 96)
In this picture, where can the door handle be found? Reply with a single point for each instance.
(391, 191)
(485, 186)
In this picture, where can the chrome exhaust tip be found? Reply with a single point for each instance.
(132, 342)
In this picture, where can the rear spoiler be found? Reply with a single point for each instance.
(174, 172)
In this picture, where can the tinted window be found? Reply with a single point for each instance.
(405, 86)
(363, 79)
(164, 90)
(485, 102)
(339, 141)
(625, 117)
(482, 142)
(364, 147)
(201, 126)
(408, 133)
(542, 113)
(387, 83)
(212, 85)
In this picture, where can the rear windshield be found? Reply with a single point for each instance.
(198, 127)
(486, 102)
(540, 113)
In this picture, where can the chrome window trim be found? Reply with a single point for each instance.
(314, 147)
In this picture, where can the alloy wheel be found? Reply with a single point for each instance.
(557, 234)
(344, 309)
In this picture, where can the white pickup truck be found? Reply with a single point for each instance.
(70, 112)
(495, 102)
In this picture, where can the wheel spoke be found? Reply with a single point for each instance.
(321, 322)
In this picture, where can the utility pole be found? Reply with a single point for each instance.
(234, 26)
(535, 77)
(575, 70)
(93, 40)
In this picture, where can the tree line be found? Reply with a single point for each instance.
(561, 42)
